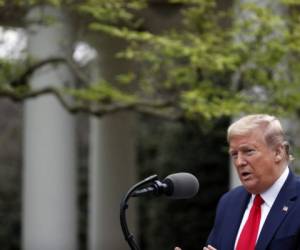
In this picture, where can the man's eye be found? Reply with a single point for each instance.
(249, 151)
(233, 155)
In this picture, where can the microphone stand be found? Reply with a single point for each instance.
(124, 205)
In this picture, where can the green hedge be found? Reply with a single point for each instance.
(168, 147)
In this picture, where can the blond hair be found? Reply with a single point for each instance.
(270, 126)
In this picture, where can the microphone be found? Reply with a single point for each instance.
(176, 186)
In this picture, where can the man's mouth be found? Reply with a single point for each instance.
(245, 175)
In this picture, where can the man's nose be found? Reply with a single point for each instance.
(240, 161)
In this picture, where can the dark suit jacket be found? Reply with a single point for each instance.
(281, 230)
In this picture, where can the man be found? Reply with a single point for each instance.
(263, 213)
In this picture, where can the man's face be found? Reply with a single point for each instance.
(257, 164)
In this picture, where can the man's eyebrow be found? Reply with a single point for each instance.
(241, 147)
(230, 151)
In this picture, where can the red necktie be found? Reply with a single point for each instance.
(249, 233)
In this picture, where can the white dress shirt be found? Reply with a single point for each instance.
(269, 196)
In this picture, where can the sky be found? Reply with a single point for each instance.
(13, 44)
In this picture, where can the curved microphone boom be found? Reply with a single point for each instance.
(176, 186)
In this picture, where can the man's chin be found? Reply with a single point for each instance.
(251, 187)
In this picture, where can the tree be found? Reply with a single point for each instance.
(213, 63)
(205, 67)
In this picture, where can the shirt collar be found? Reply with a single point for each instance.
(271, 193)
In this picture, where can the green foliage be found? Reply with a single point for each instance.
(205, 67)
(208, 67)
(165, 223)
(7, 71)
(291, 2)
(112, 11)
(10, 70)
(216, 62)
(101, 92)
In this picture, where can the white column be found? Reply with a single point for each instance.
(49, 193)
(112, 172)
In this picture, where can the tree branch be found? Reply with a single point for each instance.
(23, 78)
(159, 108)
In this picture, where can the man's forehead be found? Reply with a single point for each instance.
(257, 132)
(247, 140)
(241, 138)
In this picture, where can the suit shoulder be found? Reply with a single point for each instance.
(233, 194)
(297, 177)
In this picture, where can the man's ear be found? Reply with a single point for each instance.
(279, 153)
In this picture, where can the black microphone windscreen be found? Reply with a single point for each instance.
(182, 185)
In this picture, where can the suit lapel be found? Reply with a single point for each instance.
(234, 218)
(282, 206)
